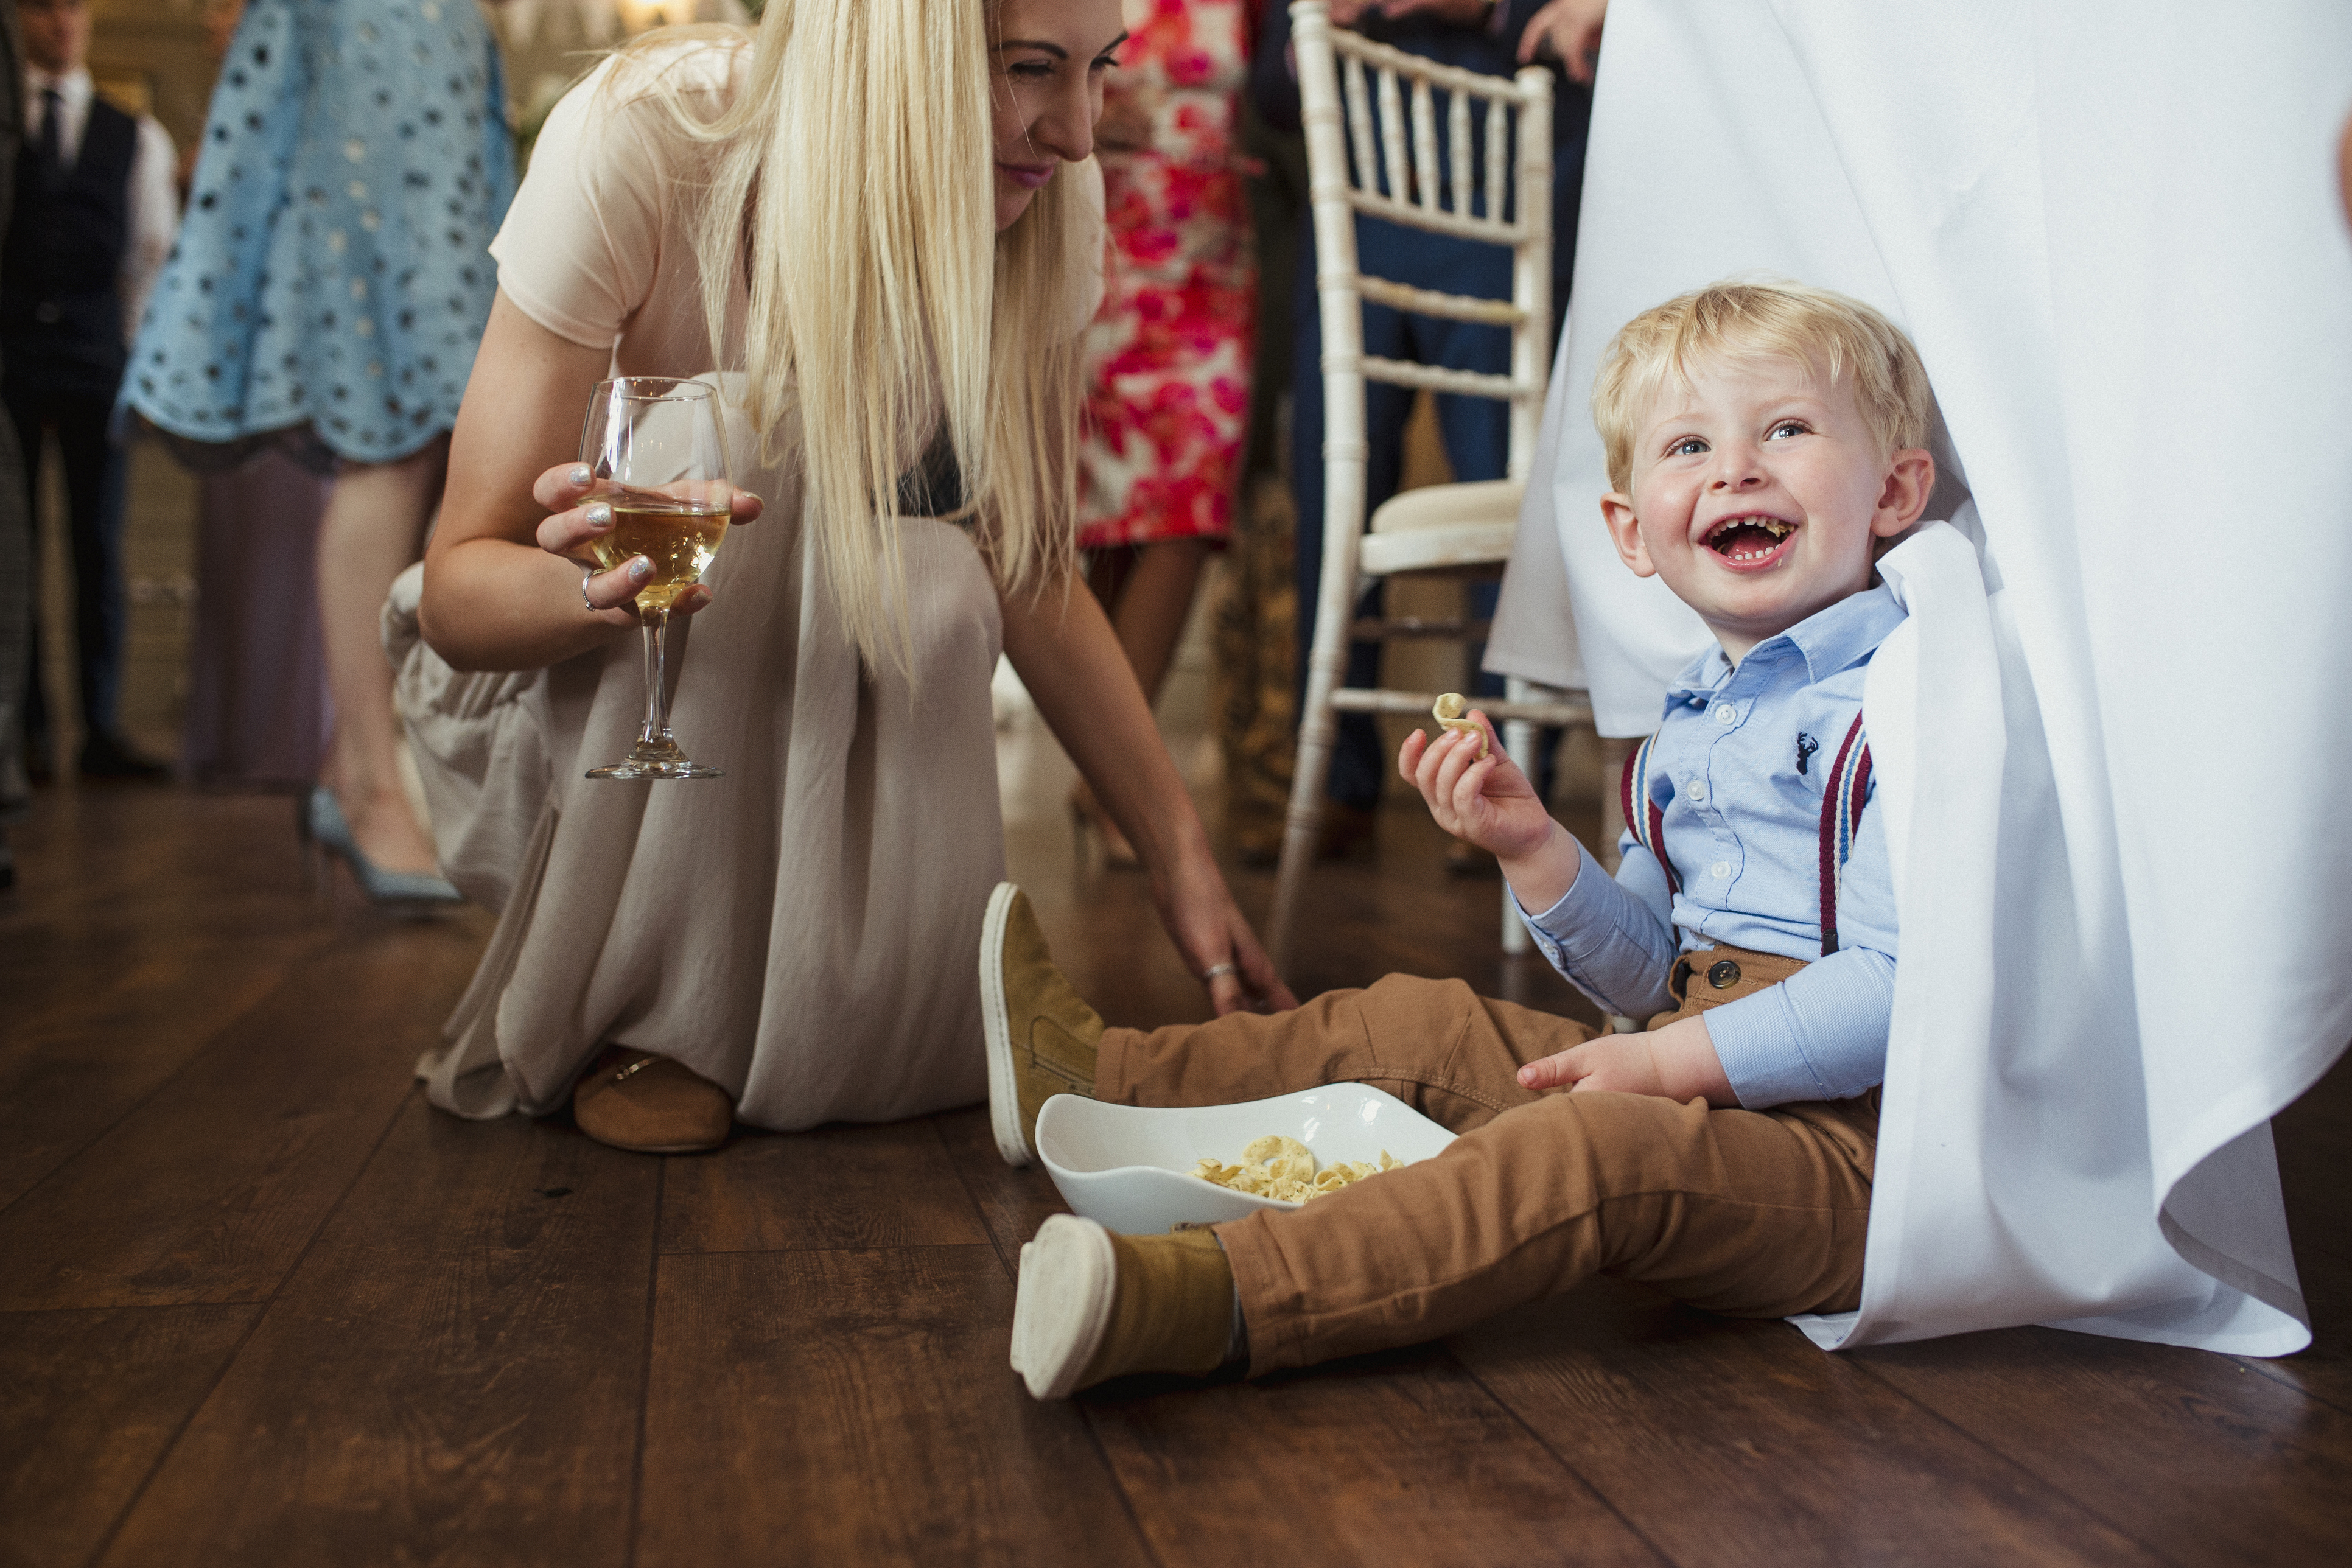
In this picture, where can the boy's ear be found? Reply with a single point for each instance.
(1626, 533)
(1910, 480)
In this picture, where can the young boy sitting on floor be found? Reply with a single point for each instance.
(1760, 441)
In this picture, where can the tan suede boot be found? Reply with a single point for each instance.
(650, 1105)
(1041, 1034)
(1092, 1305)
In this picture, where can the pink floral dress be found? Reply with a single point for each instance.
(1168, 355)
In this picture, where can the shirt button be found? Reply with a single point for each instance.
(1725, 713)
(1721, 868)
(1698, 789)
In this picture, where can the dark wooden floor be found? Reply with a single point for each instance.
(259, 1305)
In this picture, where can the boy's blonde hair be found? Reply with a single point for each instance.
(1753, 321)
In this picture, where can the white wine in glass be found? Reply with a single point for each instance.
(660, 463)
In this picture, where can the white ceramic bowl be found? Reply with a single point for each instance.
(1131, 1166)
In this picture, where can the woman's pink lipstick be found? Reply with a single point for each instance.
(1029, 176)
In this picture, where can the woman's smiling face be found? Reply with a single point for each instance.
(1758, 490)
(1046, 60)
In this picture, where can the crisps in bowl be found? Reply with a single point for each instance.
(1284, 1168)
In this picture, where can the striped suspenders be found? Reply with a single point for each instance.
(1644, 815)
(1847, 790)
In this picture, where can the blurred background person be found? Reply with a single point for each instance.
(257, 693)
(327, 295)
(1567, 32)
(1254, 714)
(92, 219)
(16, 515)
(1168, 355)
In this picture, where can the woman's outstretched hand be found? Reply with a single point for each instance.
(1062, 648)
(1199, 911)
(571, 529)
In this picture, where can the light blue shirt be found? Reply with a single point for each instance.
(1742, 760)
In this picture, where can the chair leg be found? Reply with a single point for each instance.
(1342, 523)
(1318, 733)
(1520, 742)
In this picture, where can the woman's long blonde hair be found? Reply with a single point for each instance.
(853, 200)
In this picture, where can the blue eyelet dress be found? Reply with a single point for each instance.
(331, 278)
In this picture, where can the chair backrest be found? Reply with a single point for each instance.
(1380, 105)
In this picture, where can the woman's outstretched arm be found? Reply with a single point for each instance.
(1065, 653)
(502, 585)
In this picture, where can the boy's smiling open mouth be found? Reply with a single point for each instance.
(1751, 540)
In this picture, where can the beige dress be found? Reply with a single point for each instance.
(804, 930)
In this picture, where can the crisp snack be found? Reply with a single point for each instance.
(1448, 710)
(1274, 1166)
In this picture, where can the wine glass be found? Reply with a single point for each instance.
(655, 447)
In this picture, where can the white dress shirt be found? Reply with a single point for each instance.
(154, 203)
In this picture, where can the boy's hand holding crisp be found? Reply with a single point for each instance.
(1489, 802)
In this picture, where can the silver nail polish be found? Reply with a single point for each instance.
(597, 514)
(640, 569)
(582, 474)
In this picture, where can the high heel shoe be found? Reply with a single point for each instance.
(322, 823)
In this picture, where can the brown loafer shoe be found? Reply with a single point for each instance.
(650, 1105)
(1041, 1034)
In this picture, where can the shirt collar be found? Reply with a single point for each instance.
(72, 87)
(1828, 640)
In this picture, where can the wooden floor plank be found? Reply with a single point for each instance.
(1012, 1204)
(91, 1400)
(453, 1375)
(106, 874)
(2311, 1137)
(72, 1068)
(856, 1408)
(1726, 1442)
(115, 975)
(1400, 1457)
(84, 854)
(2324, 1371)
(839, 1186)
(211, 1189)
(2196, 1458)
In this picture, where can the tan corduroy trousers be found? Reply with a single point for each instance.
(1754, 1214)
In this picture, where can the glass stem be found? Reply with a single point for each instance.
(657, 731)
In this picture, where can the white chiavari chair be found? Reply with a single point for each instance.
(1372, 115)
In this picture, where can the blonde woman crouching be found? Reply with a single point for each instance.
(865, 208)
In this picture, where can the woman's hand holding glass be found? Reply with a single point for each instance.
(655, 452)
(576, 520)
